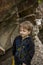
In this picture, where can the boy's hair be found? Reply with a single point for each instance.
(27, 25)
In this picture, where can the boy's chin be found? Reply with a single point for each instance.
(22, 35)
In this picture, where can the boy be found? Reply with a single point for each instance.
(23, 46)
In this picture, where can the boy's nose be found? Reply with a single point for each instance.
(21, 32)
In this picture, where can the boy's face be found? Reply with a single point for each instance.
(24, 32)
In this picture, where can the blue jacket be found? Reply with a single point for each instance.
(23, 50)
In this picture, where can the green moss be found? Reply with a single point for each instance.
(39, 1)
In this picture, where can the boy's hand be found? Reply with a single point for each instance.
(23, 64)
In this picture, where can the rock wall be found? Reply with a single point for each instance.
(9, 14)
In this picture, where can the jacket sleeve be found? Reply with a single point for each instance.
(30, 53)
(14, 48)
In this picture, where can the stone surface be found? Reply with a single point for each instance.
(38, 57)
(9, 30)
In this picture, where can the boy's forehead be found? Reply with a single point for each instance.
(24, 27)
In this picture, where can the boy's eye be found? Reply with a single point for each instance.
(24, 30)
